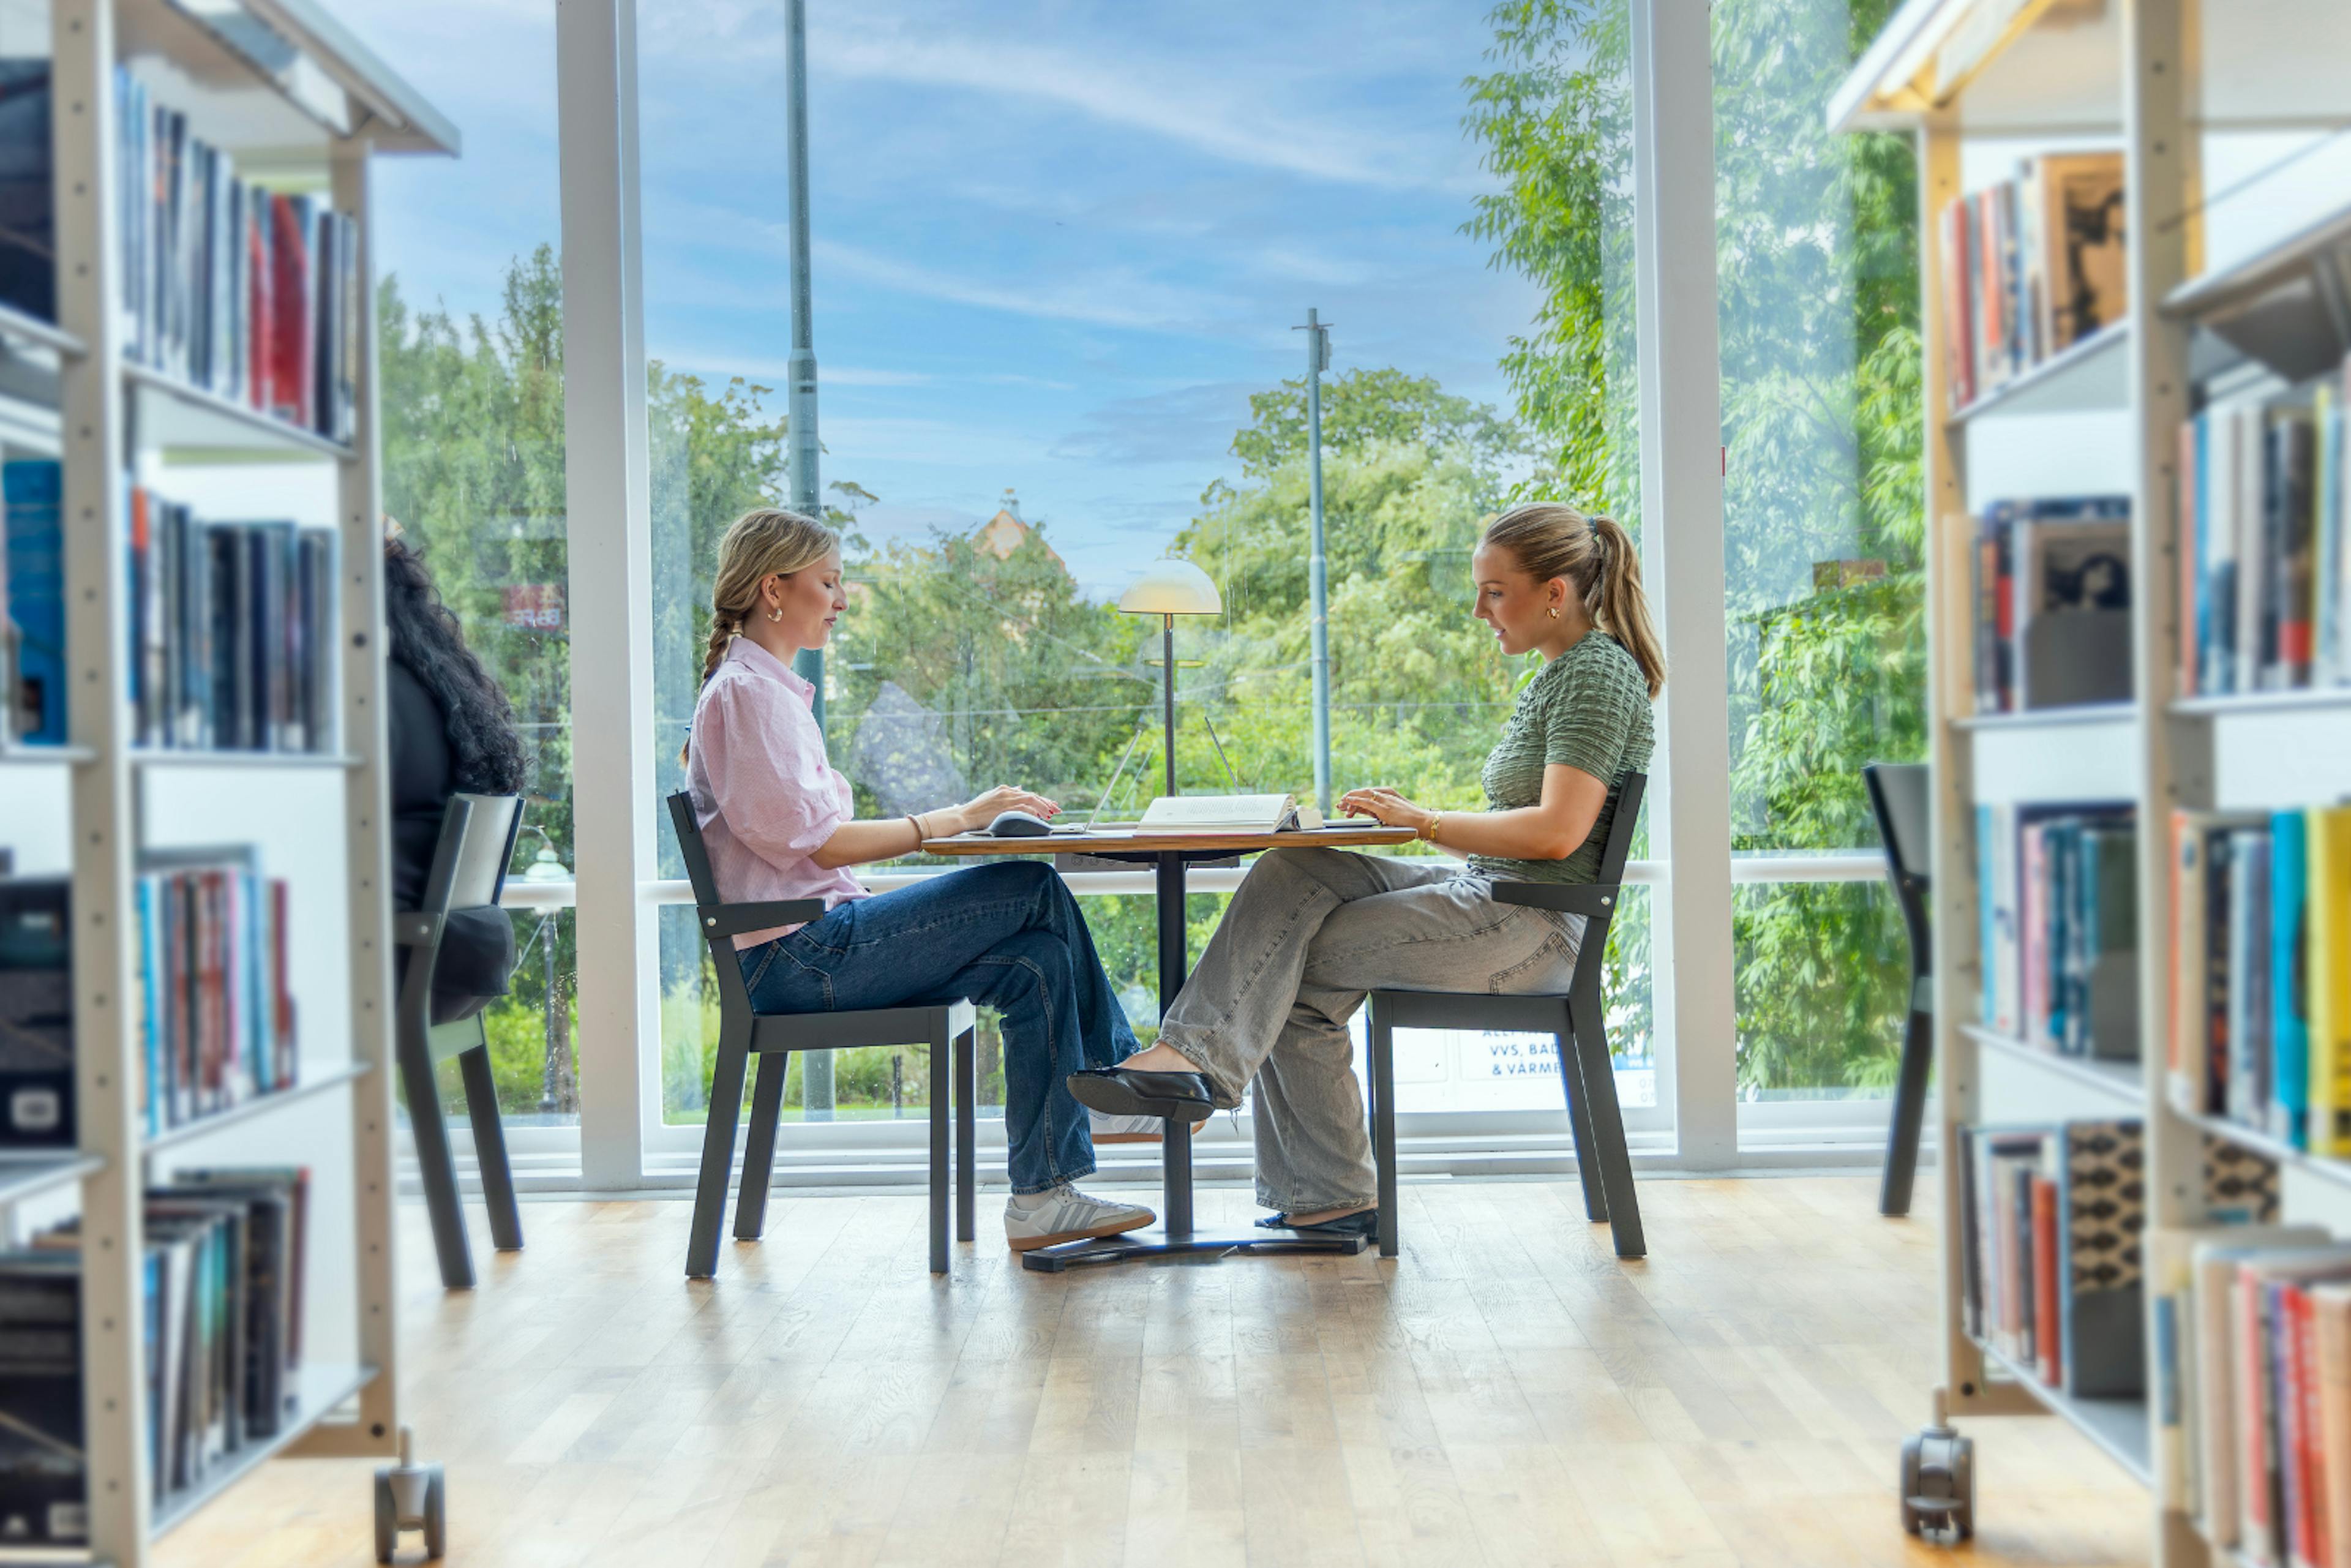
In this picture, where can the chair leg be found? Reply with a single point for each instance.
(1607, 1118)
(1382, 1092)
(1909, 1107)
(717, 1155)
(759, 1151)
(435, 1167)
(941, 1048)
(1579, 1125)
(967, 1100)
(490, 1149)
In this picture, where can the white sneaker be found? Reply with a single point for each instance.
(1109, 1129)
(1064, 1213)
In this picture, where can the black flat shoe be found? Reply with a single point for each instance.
(1125, 1092)
(1366, 1223)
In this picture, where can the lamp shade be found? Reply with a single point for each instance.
(1172, 587)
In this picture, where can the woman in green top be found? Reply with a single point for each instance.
(1311, 930)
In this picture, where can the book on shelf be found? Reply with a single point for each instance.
(2032, 266)
(216, 1027)
(2051, 1219)
(234, 629)
(2058, 891)
(2053, 596)
(2264, 576)
(2261, 967)
(238, 290)
(222, 1287)
(31, 492)
(37, 1027)
(28, 245)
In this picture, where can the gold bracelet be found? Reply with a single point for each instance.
(1436, 821)
(921, 832)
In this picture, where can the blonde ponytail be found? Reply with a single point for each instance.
(1594, 556)
(764, 542)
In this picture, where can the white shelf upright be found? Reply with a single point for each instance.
(323, 96)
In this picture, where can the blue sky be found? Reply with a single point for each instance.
(1058, 243)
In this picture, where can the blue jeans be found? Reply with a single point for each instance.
(1007, 934)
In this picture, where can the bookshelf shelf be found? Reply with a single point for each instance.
(2092, 374)
(15, 327)
(2298, 701)
(172, 414)
(2084, 715)
(29, 1176)
(2117, 1427)
(2290, 261)
(165, 757)
(259, 1105)
(2284, 1154)
(2121, 1081)
(320, 1390)
(15, 754)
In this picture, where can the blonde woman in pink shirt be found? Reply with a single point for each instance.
(777, 820)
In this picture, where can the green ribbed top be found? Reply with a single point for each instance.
(1588, 708)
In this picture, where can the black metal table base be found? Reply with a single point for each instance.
(1154, 1242)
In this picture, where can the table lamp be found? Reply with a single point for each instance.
(1168, 588)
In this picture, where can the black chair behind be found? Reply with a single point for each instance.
(469, 871)
(1899, 795)
(1576, 1021)
(773, 1037)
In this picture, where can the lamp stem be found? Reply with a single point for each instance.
(1168, 644)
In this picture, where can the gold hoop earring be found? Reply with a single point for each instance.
(778, 615)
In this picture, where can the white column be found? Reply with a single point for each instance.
(610, 541)
(1681, 531)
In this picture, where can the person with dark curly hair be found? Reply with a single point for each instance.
(449, 731)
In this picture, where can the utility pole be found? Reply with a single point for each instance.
(1318, 360)
(800, 409)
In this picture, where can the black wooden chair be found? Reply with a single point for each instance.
(436, 1022)
(773, 1037)
(1603, 1163)
(1898, 793)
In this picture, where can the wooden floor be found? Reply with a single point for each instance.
(1506, 1393)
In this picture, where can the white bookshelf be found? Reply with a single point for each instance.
(2164, 81)
(318, 109)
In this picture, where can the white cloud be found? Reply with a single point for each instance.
(1114, 297)
(1206, 109)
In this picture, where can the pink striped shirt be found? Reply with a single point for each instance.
(763, 792)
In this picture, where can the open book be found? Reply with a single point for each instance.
(1230, 814)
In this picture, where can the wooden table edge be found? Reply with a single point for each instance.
(1158, 844)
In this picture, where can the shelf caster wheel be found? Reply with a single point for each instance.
(1938, 1484)
(411, 1497)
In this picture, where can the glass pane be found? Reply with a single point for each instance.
(1823, 986)
(469, 307)
(1011, 313)
(1822, 525)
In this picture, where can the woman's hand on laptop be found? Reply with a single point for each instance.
(1386, 807)
(982, 810)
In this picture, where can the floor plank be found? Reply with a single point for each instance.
(1507, 1393)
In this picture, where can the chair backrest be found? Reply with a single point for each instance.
(734, 998)
(1898, 797)
(469, 864)
(1615, 850)
(691, 849)
(1899, 794)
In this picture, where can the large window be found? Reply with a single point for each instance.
(469, 307)
(1818, 279)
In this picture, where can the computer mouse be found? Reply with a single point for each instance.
(1017, 825)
